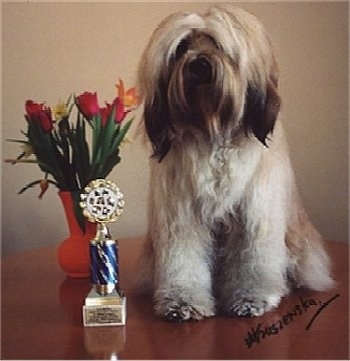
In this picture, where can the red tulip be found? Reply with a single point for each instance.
(40, 113)
(33, 108)
(88, 104)
(104, 112)
(120, 111)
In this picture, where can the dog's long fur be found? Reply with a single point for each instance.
(227, 231)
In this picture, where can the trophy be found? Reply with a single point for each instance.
(105, 305)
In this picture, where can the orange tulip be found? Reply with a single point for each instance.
(129, 98)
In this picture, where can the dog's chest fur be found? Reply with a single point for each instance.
(211, 177)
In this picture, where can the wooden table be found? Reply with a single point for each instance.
(41, 319)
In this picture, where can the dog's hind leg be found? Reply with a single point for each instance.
(309, 262)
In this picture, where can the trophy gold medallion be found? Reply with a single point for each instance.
(105, 305)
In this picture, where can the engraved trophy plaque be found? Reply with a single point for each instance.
(105, 305)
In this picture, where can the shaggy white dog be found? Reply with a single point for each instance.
(227, 231)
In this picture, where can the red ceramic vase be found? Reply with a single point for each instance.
(74, 251)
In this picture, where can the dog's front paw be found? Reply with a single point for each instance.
(252, 306)
(247, 308)
(180, 311)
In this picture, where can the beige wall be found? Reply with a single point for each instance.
(53, 49)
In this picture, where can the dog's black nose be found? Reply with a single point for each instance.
(201, 70)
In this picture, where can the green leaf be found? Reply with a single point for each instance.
(68, 105)
(45, 150)
(80, 154)
(15, 161)
(96, 137)
(18, 141)
(107, 134)
(121, 134)
(111, 151)
(110, 163)
(106, 139)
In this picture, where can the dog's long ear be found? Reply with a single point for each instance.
(261, 110)
(157, 123)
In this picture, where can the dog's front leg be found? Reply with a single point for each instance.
(182, 272)
(252, 277)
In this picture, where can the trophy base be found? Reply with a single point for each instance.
(109, 310)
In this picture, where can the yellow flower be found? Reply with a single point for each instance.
(27, 151)
(128, 98)
(126, 140)
(60, 111)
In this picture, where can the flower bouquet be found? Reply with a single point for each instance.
(60, 147)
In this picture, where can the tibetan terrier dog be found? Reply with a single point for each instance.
(227, 231)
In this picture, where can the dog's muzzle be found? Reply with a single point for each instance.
(200, 70)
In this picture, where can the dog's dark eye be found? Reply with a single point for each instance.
(182, 48)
